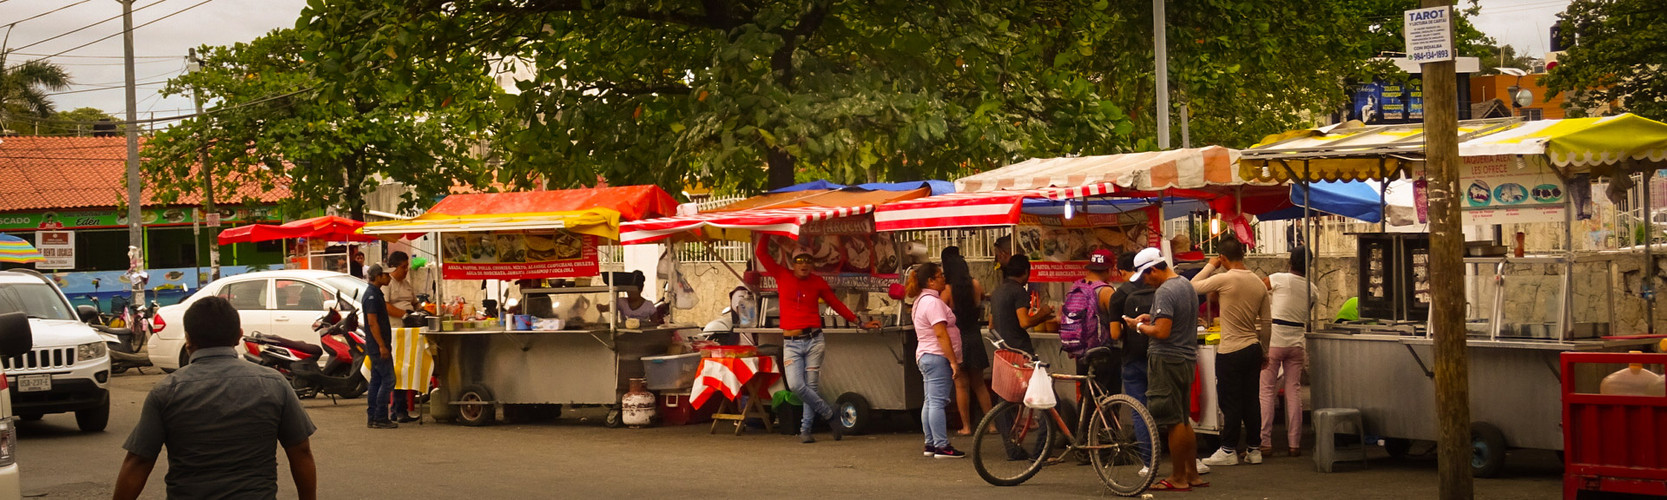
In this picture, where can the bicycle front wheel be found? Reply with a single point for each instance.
(1011, 443)
(1121, 434)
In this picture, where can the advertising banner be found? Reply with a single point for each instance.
(846, 252)
(1499, 190)
(519, 255)
(58, 247)
(113, 219)
(1058, 247)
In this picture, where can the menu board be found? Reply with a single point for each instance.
(518, 255)
(1500, 190)
(1058, 247)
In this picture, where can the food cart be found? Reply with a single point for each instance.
(867, 370)
(559, 357)
(1060, 209)
(1522, 309)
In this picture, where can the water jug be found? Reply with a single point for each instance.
(1633, 380)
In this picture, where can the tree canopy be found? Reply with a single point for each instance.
(75, 122)
(1617, 57)
(25, 90)
(268, 125)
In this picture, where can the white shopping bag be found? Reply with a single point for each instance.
(1040, 393)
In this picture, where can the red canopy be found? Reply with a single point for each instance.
(328, 227)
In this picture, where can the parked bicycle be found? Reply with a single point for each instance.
(1115, 433)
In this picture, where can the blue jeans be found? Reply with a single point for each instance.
(1134, 384)
(940, 384)
(380, 388)
(803, 358)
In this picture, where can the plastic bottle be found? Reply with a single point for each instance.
(1633, 380)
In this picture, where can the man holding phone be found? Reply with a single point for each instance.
(1171, 359)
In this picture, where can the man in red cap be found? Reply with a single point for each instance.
(801, 328)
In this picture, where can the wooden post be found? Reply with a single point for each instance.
(1452, 377)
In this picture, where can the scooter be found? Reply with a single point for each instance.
(126, 345)
(331, 369)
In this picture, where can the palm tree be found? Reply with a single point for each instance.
(24, 88)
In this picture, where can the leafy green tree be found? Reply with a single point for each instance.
(24, 88)
(268, 125)
(1505, 57)
(75, 122)
(1617, 58)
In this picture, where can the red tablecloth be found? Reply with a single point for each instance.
(728, 375)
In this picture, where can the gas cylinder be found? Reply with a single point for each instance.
(637, 406)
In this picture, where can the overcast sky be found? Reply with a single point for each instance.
(160, 47)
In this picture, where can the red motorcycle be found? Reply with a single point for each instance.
(330, 368)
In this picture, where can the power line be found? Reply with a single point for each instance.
(67, 33)
(37, 16)
(111, 87)
(135, 28)
(94, 57)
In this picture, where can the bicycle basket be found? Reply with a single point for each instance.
(1010, 376)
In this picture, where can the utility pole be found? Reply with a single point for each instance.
(1160, 45)
(1452, 377)
(196, 64)
(135, 232)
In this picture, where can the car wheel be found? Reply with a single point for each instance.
(94, 419)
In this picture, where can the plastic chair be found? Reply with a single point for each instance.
(1327, 423)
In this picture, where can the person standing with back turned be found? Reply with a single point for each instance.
(1171, 359)
(1239, 357)
(801, 331)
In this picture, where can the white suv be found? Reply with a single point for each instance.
(69, 368)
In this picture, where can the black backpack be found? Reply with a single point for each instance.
(1135, 304)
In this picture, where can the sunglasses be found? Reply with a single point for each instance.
(801, 260)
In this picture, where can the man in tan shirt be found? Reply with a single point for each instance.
(1243, 298)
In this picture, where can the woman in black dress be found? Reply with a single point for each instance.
(964, 296)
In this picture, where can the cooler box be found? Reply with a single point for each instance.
(676, 371)
(675, 409)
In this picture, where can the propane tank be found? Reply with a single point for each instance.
(637, 406)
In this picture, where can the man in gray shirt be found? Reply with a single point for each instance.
(221, 418)
(1171, 358)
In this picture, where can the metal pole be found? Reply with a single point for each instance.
(208, 179)
(1452, 377)
(1160, 46)
(135, 232)
(1649, 256)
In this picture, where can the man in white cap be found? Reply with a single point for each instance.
(1171, 358)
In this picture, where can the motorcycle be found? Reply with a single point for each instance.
(126, 342)
(331, 368)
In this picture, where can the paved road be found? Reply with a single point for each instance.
(576, 457)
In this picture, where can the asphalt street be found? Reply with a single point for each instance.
(578, 457)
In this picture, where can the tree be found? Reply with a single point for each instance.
(269, 126)
(77, 122)
(1616, 58)
(1505, 57)
(24, 90)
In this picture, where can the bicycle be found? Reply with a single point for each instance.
(1013, 442)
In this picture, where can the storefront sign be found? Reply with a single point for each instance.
(58, 247)
(1058, 247)
(1388, 102)
(113, 219)
(1429, 34)
(519, 255)
(1498, 190)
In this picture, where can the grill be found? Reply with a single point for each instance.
(42, 359)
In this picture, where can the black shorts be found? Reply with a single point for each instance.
(1169, 389)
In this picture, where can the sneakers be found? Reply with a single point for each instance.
(383, 424)
(1223, 457)
(836, 428)
(1202, 468)
(1253, 457)
(930, 451)
(806, 438)
(406, 419)
(948, 452)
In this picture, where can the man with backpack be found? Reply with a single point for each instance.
(1084, 318)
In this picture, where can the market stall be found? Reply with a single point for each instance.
(1524, 307)
(559, 351)
(866, 370)
(313, 237)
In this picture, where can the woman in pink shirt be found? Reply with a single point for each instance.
(938, 355)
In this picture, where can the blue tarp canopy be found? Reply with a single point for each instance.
(937, 187)
(1358, 200)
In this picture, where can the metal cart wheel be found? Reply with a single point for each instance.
(615, 419)
(475, 406)
(1487, 445)
(854, 413)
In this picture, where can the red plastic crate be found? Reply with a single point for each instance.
(1613, 443)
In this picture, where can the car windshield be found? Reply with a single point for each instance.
(34, 299)
(348, 285)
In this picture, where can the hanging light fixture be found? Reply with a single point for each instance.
(1070, 209)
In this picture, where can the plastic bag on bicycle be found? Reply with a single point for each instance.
(1040, 393)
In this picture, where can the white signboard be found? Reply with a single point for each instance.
(58, 247)
(1498, 190)
(1429, 35)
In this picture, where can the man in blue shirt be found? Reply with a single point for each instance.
(379, 348)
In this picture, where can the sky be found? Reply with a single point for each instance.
(160, 48)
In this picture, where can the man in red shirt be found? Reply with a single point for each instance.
(801, 330)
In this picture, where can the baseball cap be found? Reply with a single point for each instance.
(800, 252)
(374, 270)
(1100, 260)
(1145, 260)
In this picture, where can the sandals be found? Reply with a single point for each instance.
(1165, 485)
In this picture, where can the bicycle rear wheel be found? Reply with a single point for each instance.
(1125, 428)
(1016, 448)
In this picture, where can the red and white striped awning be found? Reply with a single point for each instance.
(772, 221)
(955, 210)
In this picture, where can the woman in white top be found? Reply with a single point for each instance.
(1290, 294)
(633, 305)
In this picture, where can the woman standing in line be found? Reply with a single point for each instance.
(937, 354)
(964, 296)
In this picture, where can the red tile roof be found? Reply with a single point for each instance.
(55, 173)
